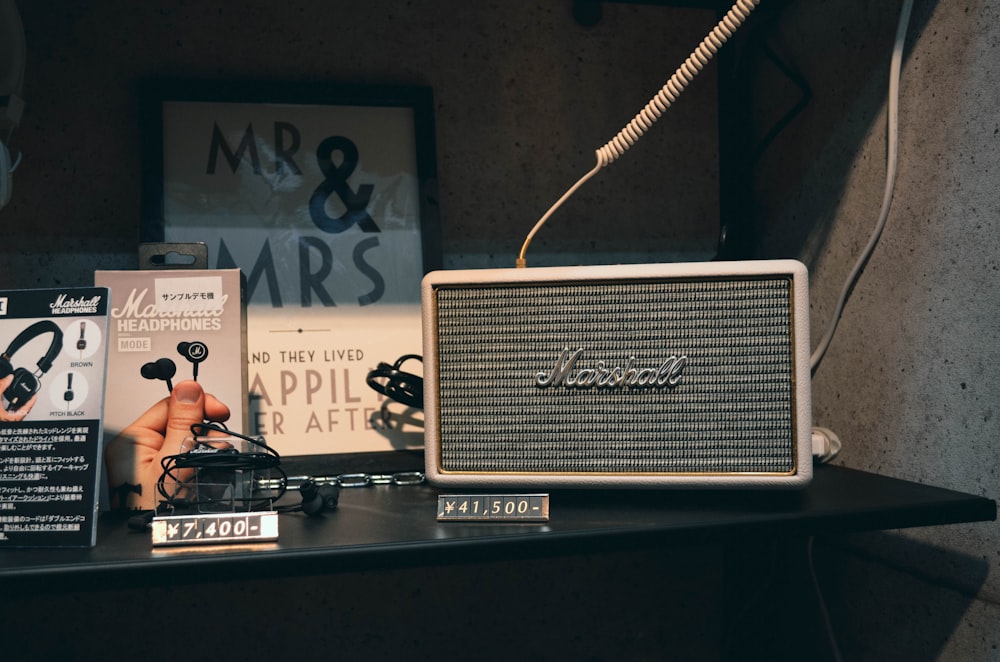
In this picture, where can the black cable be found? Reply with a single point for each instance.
(205, 457)
(393, 383)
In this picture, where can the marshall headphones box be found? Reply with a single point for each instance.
(167, 326)
(663, 376)
(52, 372)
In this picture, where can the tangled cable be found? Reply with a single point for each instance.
(392, 382)
(213, 456)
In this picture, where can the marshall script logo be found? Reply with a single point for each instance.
(67, 305)
(565, 373)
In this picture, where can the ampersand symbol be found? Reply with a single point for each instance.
(356, 202)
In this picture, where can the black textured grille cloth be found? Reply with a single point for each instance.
(733, 410)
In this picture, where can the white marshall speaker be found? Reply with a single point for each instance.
(690, 375)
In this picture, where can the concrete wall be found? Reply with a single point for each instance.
(909, 382)
(523, 96)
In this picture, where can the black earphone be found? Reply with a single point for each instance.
(26, 383)
(165, 369)
(195, 352)
(318, 497)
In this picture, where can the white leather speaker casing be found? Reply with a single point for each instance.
(684, 375)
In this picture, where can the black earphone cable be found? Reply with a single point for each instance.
(392, 382)
(205, 456)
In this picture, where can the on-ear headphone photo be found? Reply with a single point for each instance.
(81, 343)
(26, 383)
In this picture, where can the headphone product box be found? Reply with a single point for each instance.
(167, 326)
(52, 372)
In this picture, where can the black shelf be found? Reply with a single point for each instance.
(390, 527)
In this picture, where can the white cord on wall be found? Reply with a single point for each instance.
(824, 439)
(890, 182)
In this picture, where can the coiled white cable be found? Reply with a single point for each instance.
(653, 110)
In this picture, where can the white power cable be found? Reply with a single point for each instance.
(890, 182)
(826, 444)
(826, 437)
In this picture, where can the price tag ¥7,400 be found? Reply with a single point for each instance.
(493, 508)
(215, 529)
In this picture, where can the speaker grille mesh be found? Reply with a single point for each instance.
(731, 412)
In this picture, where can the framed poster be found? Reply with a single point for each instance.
(324, 196)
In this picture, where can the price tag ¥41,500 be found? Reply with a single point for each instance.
(493, 507)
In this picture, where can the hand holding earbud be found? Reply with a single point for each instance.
(133, 457)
